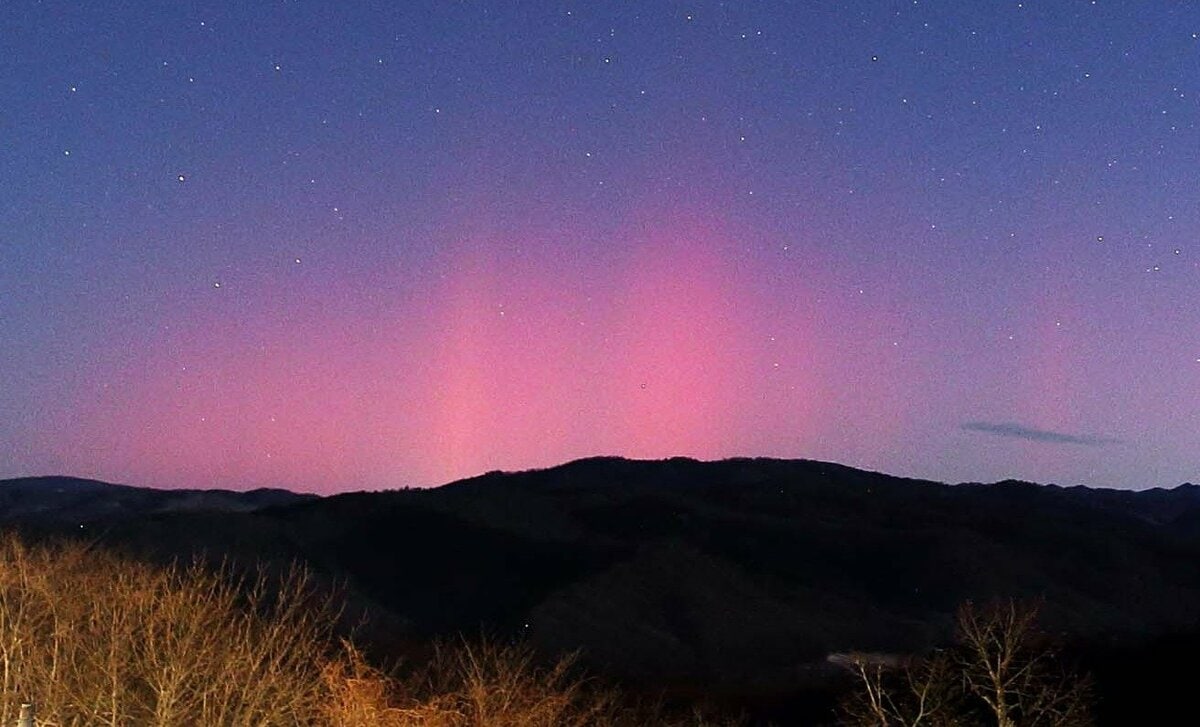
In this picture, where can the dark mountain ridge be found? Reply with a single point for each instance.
(79, 500)
(738, 575)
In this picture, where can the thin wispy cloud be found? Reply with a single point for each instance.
(1018, 431)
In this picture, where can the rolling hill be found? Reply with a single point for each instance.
(739, 576)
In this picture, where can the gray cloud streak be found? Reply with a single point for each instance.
(1017, 431)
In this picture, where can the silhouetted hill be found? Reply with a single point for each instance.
(739, 575)
(76, 500)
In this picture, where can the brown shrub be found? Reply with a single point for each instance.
(93, 638)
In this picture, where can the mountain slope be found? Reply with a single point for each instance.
(73, 499)
(735, 574)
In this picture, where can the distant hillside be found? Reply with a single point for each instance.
(740, 574)
(82, 501)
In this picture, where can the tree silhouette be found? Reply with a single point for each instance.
(1000, 672)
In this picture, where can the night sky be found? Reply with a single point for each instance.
(341, 245)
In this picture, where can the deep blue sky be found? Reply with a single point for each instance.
(339, 245)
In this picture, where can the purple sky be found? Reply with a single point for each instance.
(335, 246)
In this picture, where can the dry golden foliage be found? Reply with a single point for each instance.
(359, 694)
(93, 638)
(493, 684)
(488, 684)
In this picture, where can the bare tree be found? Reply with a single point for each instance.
(920, 693)
(1000, 672)
(1007, 665)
